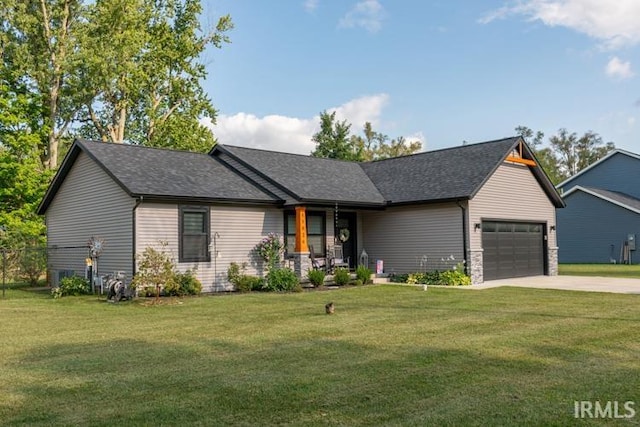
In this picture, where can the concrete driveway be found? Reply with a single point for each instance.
(569, 283)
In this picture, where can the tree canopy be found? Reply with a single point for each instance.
(334, 141)
(567, 153)
(113, 70)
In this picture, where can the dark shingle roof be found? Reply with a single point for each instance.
(448, 174)
(310, 178)
(161, 173)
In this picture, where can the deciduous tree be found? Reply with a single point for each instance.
(333, 141)
(566, 154)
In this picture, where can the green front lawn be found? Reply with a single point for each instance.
(390, 355)
(605, 270)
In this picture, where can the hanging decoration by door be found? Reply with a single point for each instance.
(335, 224)
(343, 235)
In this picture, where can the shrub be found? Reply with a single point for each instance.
(357, 282)
(248, 283)
(316, 277)
(243, 282)
(281, 279)
(183, 284)
(454, 278)
(398, 278)
(235, 271)
(363, 274)
(341, 276)
(74, 285)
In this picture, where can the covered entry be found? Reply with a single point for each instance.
(512, 249)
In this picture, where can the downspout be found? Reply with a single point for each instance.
(464, 236)
(133, 235)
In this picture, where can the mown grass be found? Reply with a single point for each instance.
(604, 270)
(391, 355)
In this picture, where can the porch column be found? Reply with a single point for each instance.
(301, 229)
(301, 260)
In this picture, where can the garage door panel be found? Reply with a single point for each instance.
(512, 249)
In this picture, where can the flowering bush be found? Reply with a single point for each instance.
(270, 249)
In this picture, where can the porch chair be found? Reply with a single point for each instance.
(317, 263)
(338, 261)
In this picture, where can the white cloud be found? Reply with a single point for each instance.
(310, 5)
(291, 134)
(361, 110)
(618, 69)
(367, 14)
(418, 136)
(613, 23)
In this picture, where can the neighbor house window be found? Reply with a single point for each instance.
(316, 233)
(194, 234)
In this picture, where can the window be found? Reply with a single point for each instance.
(194, 234)
(316, 235)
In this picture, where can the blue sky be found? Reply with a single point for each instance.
(443, 71)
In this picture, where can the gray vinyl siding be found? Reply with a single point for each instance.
(240, 229)
(589, 228)
(89, 203)
(402, 236)
(511, 193)
(618, 173)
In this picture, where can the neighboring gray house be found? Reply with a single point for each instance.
(602, 217)
(488, 204)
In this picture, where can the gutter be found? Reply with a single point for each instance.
(133, 235)
(464, 236)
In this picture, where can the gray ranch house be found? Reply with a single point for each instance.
(602, 217)
(488, 205)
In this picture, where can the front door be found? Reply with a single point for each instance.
(346, 234)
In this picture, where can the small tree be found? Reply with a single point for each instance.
(155, 270)
(32, 262)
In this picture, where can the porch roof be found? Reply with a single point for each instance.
(309, 179)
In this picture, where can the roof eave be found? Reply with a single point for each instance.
(601, 197)
(341, 203)
(205, 200)
(429, 201)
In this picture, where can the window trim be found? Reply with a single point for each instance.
(320, 252)
(207, 232)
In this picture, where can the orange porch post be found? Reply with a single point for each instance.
(301, 229)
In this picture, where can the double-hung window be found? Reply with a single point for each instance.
(316, 233)
(194, 234)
